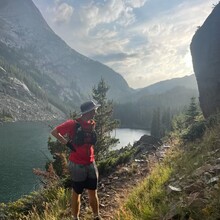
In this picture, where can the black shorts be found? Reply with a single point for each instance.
(83, 176)
(87, 184)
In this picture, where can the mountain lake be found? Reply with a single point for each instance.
(23, 146)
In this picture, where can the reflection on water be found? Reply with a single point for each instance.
(126, 136)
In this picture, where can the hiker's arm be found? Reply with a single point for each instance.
(58, 136)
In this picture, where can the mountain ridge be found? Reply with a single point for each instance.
(187, 82)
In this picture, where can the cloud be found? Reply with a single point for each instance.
(62, 13)
(127, 17)
(96, 13)
(146, 41)
(136, 3)
(106, 12)
(114, 57)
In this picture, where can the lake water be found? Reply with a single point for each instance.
(23, 146)
(126, 136)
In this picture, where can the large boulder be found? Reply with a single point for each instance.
(146, 144)
(205, 50)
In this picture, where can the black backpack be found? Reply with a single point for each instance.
(84, 137)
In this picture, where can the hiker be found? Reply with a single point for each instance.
(79, 135)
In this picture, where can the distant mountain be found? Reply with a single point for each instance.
(189, 82)
(64, 75)
(186, 82)
(170, 96)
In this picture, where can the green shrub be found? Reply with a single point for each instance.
(194, 131)
(115, 158)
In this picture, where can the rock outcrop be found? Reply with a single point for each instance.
(205, 50)
(146, 145)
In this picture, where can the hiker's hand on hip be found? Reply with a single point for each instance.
(64, 141)
(69, 145)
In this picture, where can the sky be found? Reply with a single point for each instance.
(146, 41)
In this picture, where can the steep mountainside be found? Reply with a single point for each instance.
(18, 102)
(205, 50)
(65, 75)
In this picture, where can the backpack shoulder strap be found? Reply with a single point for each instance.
(78, 133)
(77, 125)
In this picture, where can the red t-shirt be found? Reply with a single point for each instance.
(84, 154)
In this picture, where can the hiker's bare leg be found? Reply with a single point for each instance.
(75, 204)
(94, 201)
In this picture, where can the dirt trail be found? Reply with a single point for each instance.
(115, 188)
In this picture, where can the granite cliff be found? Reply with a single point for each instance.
(205, 50)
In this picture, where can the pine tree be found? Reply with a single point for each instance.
(190, 124)
(165, 122)
(156, 125)
(192, 112)
(105, 124)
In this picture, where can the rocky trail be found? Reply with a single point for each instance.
(115, 188)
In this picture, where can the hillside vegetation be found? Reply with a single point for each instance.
(183, 185)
